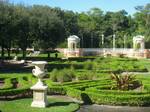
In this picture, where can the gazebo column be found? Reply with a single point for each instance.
(134, 45)
(142, 45)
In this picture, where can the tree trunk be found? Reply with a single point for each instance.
(2, 52)
(8, 52)
(24, 53)
(8, 48)
(48, 54)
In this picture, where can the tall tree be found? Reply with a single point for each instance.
(22, 28)
(49, 27)
(142, 19)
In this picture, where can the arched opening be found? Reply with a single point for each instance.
(73, 46)
(138, 46)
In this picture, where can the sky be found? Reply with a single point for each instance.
(85, 5)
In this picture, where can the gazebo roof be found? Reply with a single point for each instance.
(73, 38)
(138, 37)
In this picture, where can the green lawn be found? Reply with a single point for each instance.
(24, 105)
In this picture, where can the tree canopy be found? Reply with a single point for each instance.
(43, 27)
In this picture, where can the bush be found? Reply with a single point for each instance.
(89, 75)
(89, 65)
(125, 82)
(7, 84)
(53, 75)
(64, 75)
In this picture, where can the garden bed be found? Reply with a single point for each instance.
(92, 90)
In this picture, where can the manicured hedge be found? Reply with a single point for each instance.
(81, 59)
(116, 92)
(12, 92)
(90, 91)
(7, 84)
(75, 93)
(22, 86)
(97, 92)
(56, 90)
(132, 100)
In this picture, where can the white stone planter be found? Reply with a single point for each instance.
(39, 89)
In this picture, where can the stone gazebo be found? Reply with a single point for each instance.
(139, 50)
(138, 43)
(73, 47)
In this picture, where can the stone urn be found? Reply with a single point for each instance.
(15, 58)
(39, 71)
(39, 89)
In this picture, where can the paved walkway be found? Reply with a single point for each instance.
(137, 73)
(104, 108)
(65, 98)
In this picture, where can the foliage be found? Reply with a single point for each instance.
(54, 90)
(125, 82)
(53, 75)
(64, 75)
(92, 92)
(91, 75)
(142, 18)
(89, 65)
(137, 46)
(45, 27)
(96, 91)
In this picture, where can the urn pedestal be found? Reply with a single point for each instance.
(39, 89)
(39, 96)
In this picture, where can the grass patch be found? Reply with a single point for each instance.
(24, 105)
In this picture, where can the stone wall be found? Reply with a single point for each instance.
(118, 52)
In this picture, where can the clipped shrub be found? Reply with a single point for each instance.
(7, 85)
(11, 92)
(56, 90)
(14, 82)
(75, 93)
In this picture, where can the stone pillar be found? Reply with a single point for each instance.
(102, 40)
(142, 45)
(114, 42)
